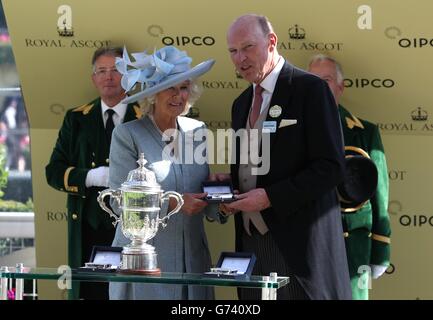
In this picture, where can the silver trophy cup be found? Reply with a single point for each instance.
(140, 198)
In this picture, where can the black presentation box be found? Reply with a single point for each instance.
(233, 265)
(218, 191)
(103, 259)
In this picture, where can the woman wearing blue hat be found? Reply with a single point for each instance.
(166, 92)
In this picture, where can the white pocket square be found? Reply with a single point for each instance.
(287, 122)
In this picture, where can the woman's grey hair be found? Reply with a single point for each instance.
(322, 57)
(195, 90)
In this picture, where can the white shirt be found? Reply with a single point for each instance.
(268, 84)
(119, 112)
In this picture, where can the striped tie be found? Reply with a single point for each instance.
(257, 105)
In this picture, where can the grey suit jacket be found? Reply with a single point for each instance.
(182, 246)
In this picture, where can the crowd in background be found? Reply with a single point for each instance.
(14, 134)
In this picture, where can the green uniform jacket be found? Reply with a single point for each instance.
(81, 146)
(367, 230)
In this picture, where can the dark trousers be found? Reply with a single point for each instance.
(90, 238)
(269, 259)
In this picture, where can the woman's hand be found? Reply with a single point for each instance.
(193, 203)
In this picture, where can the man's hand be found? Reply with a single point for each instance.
(97, 177)
(253, 200)
(226, 211)
(193, 203)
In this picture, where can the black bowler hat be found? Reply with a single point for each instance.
(360, 181)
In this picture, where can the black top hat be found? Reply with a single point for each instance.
(360, 181)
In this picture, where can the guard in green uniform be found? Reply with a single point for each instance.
(79, 166)
(366, 227)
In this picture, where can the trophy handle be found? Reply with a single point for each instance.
(114, 194)
(178, 197)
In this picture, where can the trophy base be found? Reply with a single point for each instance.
(141, 263)
(156, 271)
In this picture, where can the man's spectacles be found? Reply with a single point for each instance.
(100, 73)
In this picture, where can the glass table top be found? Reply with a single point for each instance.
(163, 277)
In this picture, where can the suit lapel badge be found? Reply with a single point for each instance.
(275, 111)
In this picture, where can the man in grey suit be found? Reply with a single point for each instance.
(290, 216)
